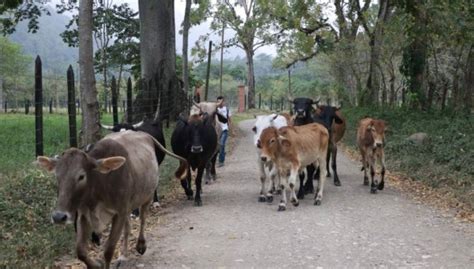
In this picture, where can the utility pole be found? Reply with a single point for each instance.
(222, 59)
(206, 90)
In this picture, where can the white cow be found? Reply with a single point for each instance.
(267, 168)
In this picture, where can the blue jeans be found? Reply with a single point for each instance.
(222, 141)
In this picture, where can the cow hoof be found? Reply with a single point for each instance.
(281, 207)
(380, 186)
(295, 202)
(366, 181)
(337, 183)
(300, 195)
(156, 205)
(278, 192)
(269, 199)
(373, 190)
(317, 202)
(141, 246)
(262, 199)
(198, 203)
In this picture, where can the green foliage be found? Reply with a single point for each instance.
(14, 11)
(443, 160)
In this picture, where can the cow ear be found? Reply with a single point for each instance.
(337, 119)
(48, 164)
(284, 141)
(274, 117)
(110, 164)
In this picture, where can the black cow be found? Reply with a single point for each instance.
(303, 109)
(331, 118)
(194, 139)
(151, 127)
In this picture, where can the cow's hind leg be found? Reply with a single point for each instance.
(124, 245)
(337, 182)
(208, 172)
(141, 242)
(197, 197)
(322, 178)
(308, 186)
(301, 190)
(382, 179)
(263, 178)
(292, 185)
(328, 158)
(365, 168)
(213, 167)
(373, 185)
(114, 236)
(282, 205)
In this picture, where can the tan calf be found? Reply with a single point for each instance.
(371, 139)
(292, 149)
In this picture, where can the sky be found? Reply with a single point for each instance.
(198, 30)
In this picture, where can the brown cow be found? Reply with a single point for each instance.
(118, 174)
(292, 149)
(371, 139)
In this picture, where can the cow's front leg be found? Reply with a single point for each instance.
(274, 181)
(301, 190)
(337, 182)
(263, 178)
(114, 236)
(382, 179)
(292, 185)
(282, 205)
(124, 245)
(186, 184)
(197, 197)
(82, 236)
(373, 185)
(365, 167)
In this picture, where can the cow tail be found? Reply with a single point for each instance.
(182, 171)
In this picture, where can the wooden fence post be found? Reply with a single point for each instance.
(129, 101)
(27, 106)
(5, 104)
(114, 100)
(51, 106)
(206, 90)
(39, 107)
(71, 107)
(271, 102)
(259, 100)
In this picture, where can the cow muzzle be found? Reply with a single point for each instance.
(196, 149)
(378, 144)
(263, 158)
(59, 217)
(300, 113)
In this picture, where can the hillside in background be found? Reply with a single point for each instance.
(47, 43)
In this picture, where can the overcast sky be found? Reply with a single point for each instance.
(198, 30)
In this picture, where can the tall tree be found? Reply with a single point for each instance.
(186, 26)
(158, 62)
(14, 11)
(90, 106)
(251, 32)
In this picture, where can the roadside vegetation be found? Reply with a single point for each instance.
(443, 160)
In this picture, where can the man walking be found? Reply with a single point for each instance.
(225, 112)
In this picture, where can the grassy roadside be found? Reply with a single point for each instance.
(443, 161)
(27, 195)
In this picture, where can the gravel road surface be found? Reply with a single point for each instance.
(351, 229)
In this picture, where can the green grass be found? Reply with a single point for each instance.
(444, 160)
(27, 195)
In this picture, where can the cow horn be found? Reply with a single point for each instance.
(340, 106)
(317, 101)
(107, 127)
(138, 124)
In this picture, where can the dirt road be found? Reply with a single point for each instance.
(351, 229)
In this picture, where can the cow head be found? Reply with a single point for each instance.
(73, 171)
(302, 106)
(269, 144)
(195, 126)
(327, 115)
(262, 123)
(377, 129)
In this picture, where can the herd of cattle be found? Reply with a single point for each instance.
(104, 182)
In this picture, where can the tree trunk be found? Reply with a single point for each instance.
(414, 56)
(158, 61)
(90, 107)
(186, 26)
(250, 79)
(104, 73)
(1, 94)
(469, 82)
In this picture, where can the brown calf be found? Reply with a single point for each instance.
(118, 174)
(371, 139)
(292, 149)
